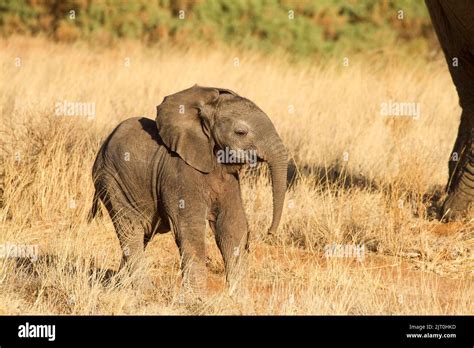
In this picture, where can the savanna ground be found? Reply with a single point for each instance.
(361, 179)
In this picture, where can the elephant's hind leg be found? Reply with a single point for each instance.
(127, 222)
(129, 229)
(131, 236)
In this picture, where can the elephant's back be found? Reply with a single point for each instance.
(127, 163)
(133, 146)
(137, 130)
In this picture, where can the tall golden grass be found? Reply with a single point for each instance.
(362, 179)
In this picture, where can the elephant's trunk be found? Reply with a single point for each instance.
(274, 153)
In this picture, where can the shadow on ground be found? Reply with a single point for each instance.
(32, 267)
(338, 176)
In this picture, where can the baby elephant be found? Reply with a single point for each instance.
(182, 170)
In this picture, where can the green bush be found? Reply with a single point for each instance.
(318, 27)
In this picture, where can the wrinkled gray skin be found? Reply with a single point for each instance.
(154, 176)
(453, 22)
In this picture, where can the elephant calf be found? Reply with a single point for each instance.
(182, 171)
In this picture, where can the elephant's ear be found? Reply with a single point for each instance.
(180, 126)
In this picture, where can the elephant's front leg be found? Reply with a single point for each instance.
(461, 172)
(189, 230)
(232, 235)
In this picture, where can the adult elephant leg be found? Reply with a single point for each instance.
(455, 162)
(232, 236)
(452, 21)
(460, 187)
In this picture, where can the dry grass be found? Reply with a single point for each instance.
(379, 198)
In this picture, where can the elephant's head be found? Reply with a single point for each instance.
(207, 126)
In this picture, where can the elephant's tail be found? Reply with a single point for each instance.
(94, 209)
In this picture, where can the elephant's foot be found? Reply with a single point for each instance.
(237, 278)
(194, 285)
(239, 290)
(458, 206)
(460, 201)
(135, 274)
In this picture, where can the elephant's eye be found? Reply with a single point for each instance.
(241, 132)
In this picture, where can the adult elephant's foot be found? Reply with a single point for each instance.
(458, 206)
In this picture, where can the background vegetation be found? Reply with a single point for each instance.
(318, 27)
(379, 197)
